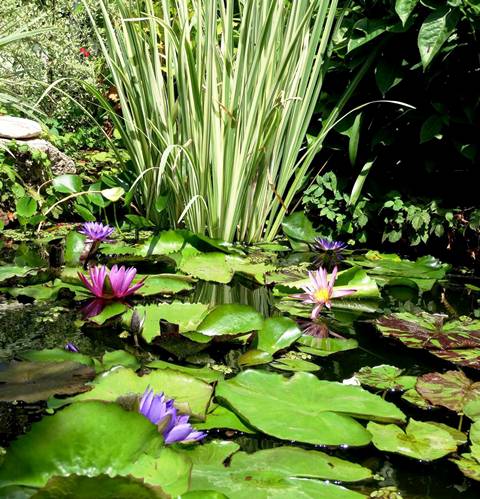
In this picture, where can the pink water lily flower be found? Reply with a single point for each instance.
(111, 284)
(320, 291)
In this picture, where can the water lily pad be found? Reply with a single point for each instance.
(304, 408)
(204, 373)
(99, 487)
(165, 284)
(221, 417)
(420, 440)
(119, 358)
(385, 377)
(452, 389)
(276, 334)
(459, 437)
(322, 347)
(110, 311)
(295, 365)
(32, 381)
(164, 243)
(254, 357)
(208, 267)
(186, 315)
(413, 397)
(56, 355)
(469, 466)
(230, 319)
(257, 270)
(424, 272)
(281, 472)
(9, 271)
(187, 391)
(79, 440)
(456, 340)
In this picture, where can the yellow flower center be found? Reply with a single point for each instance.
(322, 295)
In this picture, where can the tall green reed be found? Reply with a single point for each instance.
(216, 98)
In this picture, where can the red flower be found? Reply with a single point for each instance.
(84, 52)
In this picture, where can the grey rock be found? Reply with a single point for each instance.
(30, 171)
(19, 128)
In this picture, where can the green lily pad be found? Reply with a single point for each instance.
(254, 357)
(165, 284)
(47, 291)
(472, 409)
(230, 319)
(74, 246)
(452, 389)
(276, 334)
(110, 311)
(424, 272)
(79, 440)
(295, 365)
(304, 408)
(9, 271)
(204, 373)
(33, 381)
(323, 347)
(119, 358)
(385, 377)
(459, 437)
(99, 487)
(186, 390)
(457, 341)
(221, 417)
(56, 355)
(208, 267)
(469, 466)
(186, 315)
(282, 472)
(165, 243)
(413, 397)
(420, 440)
(247, 267)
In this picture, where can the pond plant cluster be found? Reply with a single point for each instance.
(172, 325)
(220, 382)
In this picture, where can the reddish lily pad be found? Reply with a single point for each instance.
(452, 389)
(33, 381)
(457, 341)
(385, 377)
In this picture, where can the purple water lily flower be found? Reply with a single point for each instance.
(96, 231)
(93, 307)
(322, 244)
(173, 426)
(70, 347)
(320, 292)
(111, 284)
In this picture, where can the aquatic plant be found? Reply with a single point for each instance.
(216, 100)
(70, 347)
(161, 411)
(329, 252)
(96, 231)
(111, 284)
(320, 291)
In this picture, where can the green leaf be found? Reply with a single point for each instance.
(9, 271)
(276, 334)
(359, 182)
(110, 311)
(79, 440)
(423, 441)
(323, 347)
(298, 226)
(165, 284)
(204, 373)
(113, 194)
(230, 319)
(295, 365)
(74, 245)
(67, 184)
(354, 139)
(100, 487)
(385, 377)
(26, 206)
(56, 355)
(431, 129)
(435, 31)
(208, 267)
(451, 389)
(165, 243)
(119, 358)
(304, 408)
(254, 357)
(404, 9)
(366, 30)
(221, 417)
(33, 381)
(186, 390)
(281, 472)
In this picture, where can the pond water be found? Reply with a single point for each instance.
(32, 321)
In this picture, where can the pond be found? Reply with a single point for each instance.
(218, 329)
